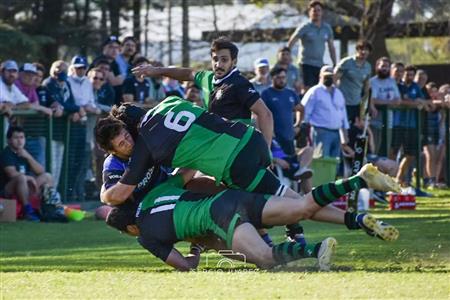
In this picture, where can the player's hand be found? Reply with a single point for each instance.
(196, 249)
(347, 151)
(23, 153)
(145, 70)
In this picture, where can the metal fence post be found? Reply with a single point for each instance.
(65, 171)
(48, 144)
(419, 147)
(2, 132)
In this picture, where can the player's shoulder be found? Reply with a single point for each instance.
(113, 162)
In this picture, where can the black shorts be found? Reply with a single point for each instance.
(310, 74)
(406, 138)
(249, 169)
(287, 146)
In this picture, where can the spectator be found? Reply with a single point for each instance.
(325, 111)
(442, 161)
(103, 91)
(353, 73)
(137, 88)
(110, 51)
(81, 86)
(126, 55)
(22, 175)
(405, 123)
(156, 88)
(294, 80)
(194, 94)
(384, 93)
(26, 85)
(42, 92)
(313, 36)
(10, 95)
(261, 81)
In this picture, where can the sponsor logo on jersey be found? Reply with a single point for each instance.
(219, 94)
(251, 90)
(146, 179)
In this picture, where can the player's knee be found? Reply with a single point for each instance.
(20, 179)
(301, 213)
(265, 259)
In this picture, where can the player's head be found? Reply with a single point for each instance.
(278, 78)
(123, 218)
(223, 56)
(113, 137)
(382, 67)
(129, 114)
(315, 9)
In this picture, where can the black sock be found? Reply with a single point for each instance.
(350, 221)
(294, 229)
(290, 251)
(327, 193)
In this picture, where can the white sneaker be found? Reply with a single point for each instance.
(325, 252)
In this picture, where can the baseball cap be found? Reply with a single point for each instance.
(27, 67)
(79, 62)
(10, 65)
(111, 39)
(326, 70)
(261, 62)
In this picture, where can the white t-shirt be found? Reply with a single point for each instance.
(11, 93)
(82, 90)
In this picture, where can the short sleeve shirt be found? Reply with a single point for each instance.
(313, 42)
(407, 118)
(281, 103)
(140, 90)
(10, 159)
(383, 89)
(292, 76)
(352, 79)
(11, 93)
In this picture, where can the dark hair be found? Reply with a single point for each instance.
(397, 64)
(277, 70)
(224, 43)
(130, 115)
(102, 61)
(364, 44)
(192, 85)
(97, 69)
(283, 49)
(106, 130)
(431, 85)
(314, 3)
(383, 59)
(130, 38)
(39, 67)
(122, 215)
(410, 68)
(139, 60)
(13, 129)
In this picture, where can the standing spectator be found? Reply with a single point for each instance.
(325, 111)
(353, 73)
(137, 88)
(110, 51)
(313, 36)
(294, 80)
(10, 95)
(405, 124)
(384, 93)
(261, 81)
(157, 92)
(22, 176)
(172, 87)
(126, 55)
(442, 161)
(194, 94)
(282, 102)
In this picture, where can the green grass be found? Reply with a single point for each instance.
(88, 260)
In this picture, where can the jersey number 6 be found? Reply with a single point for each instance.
(175, 123)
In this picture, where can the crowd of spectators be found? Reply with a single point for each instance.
(316, 108)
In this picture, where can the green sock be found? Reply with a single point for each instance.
(327, 193)
(290, 251)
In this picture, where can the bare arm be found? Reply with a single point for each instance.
(292, 40)
(180, 74)
(34, 165)
(117, 194)
(264, 119)
(332, 51)
(181, 263)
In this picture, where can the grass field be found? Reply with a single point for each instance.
(87, 260)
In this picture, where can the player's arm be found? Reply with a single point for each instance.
(332, 51)
(116, 194)
(264, 119)
(293, 38)
(180, 74)
(181, 263)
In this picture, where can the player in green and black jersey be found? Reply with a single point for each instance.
(169, 214)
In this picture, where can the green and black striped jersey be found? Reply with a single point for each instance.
(179, 134)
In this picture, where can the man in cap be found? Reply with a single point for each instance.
(10, 95)
(261, 81)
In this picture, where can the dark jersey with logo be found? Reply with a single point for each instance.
(114, 167)
(230, 97)
(178, 134)
(140, 90)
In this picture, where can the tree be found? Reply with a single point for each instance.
(185, 31)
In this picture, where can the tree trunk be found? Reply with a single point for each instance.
(114, 16)
(147, 10)
(104, 20)
(169, 31)
(85, 30)
(50, 25)
(137, 20)
(185, 31)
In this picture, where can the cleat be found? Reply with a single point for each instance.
(377, 228)
(377, 180)
(303, 173)
(325, 253)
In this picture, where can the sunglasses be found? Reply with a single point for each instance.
(98, 78)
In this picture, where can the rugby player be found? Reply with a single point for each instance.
(169, 214)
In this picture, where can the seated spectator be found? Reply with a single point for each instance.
(156, 88)
(22, 175)
(194, 94)
(81, 86)
(261, 81)
(10, 95)
(172, 87)
(127, 55)
(26, 85)
(325, 111)
(103, 91)
(110, 51)
(136, 89)
(294, 79)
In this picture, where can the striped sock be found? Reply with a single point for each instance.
(290, 251)
(350, 220)
(327, 193)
